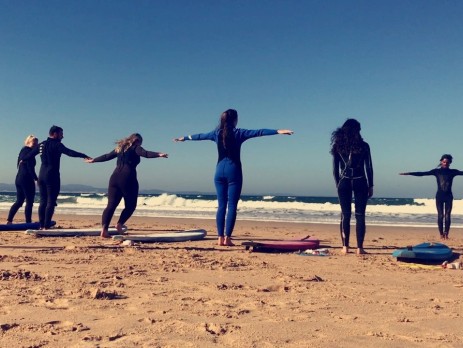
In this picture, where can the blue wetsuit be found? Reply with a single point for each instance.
(25, 185)
(228, 177)
(444, 196)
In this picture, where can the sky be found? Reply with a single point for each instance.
(167, 68)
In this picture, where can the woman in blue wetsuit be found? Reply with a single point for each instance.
(123, 182)
(228, 175)
(353, 173)
(25, 181)
(444, 197)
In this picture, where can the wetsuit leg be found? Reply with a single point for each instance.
(29, 191)
(52, 191)
(447, 215)
(345, 200)
(361, 200)
(114, 198)
(20, 197)
(221, 188)
(235, 184)
(130, 194)
(43, 201)
(440, 214)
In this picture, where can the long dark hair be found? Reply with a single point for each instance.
(347, 138)
(227, 123)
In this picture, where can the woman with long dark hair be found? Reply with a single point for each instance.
(228, 177)
(353, 173)
(444, 196)
(123, 182)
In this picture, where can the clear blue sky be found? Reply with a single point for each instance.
(104, 69)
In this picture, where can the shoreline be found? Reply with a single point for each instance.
(91, 292)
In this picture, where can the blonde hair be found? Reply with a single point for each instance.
(29, 141)
(123, 144)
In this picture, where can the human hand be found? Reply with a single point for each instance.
(285, 131)
(370, 192)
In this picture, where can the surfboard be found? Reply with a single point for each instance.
(282, 245)
(22, 226)
(174, 236)
(71, 232)
(424, 252)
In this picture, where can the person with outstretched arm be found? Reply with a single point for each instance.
(123, 182)
(49, 182)
(228, 177)
(444, 196)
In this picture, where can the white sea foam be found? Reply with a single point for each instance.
(291, 209)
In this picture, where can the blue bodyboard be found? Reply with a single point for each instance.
(424, 252)
(22, 226)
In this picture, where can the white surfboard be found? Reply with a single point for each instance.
(174, 236)
(72, 232)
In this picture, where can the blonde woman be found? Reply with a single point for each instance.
(25, 181)
(123, 182)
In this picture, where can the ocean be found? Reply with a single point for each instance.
(299, 209)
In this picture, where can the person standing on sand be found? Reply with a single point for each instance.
(353, 173)
(229, 176)
(123, 182)
(49, 176)
(444, 196)
(25, 181)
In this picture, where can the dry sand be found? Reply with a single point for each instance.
(89, 292)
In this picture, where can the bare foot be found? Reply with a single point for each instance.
(220, 241)
(228, 242)
(361, 251)
(104, 234)
(9, 222)
(344, 250)
(120, 228)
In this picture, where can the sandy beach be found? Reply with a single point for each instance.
(89, 292)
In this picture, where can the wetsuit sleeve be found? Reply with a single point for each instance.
(147, 154)
(369, 166)
(202, 136)
(71, 153)
(106, 157)
(429, 172)
(246, 134)
(336, 164)
(34, 152)
(30, 167)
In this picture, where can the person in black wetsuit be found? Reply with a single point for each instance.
(25, 181)
(444, 197)
(50, 152)
(353, 172)
(123, 182)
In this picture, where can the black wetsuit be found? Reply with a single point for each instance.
(49, 176)
(25, 185)
(444, 195)
(123, 182)
(353, 173)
